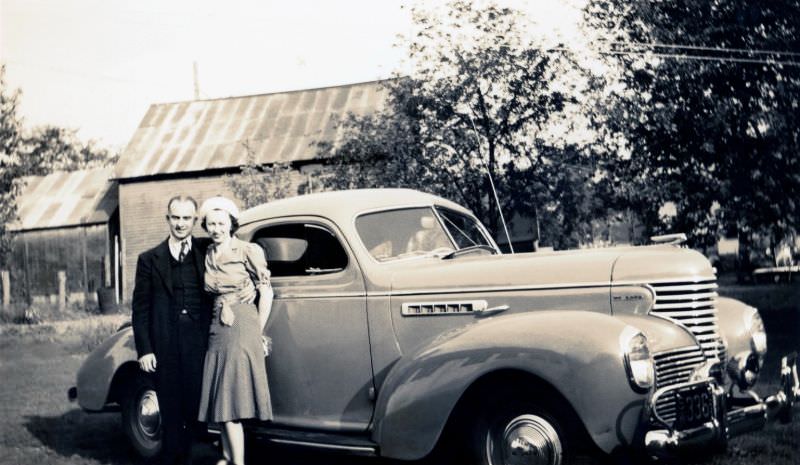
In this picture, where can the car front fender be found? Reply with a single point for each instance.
(98, 370)
(576, 352)
(731, 314)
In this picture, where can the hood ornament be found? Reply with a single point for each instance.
(669, 239)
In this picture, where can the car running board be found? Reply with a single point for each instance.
(356, 445)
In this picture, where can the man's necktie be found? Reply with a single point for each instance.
(182, 255)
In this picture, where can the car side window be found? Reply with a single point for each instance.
(301, 249)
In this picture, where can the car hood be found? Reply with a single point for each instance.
(552, 269)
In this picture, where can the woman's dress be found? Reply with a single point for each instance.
(234, 376)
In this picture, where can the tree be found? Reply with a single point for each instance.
(256, 184)
(35, 152)
(50, 148)
(478, 104)
(708, 111)
(10, 140)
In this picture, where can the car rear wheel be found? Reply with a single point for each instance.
(141, 420)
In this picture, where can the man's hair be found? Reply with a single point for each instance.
(182, 198)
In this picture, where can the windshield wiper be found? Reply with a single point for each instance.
(458, 252)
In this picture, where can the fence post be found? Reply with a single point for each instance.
(6, 289)
(106, 270)
(62, 290)
(85, 266)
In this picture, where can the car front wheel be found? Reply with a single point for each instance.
(141, 420)
(522, 433)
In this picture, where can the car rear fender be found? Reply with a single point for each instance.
(576, 352)
(97, 372)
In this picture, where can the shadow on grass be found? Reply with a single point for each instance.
(82, 437)
(96, 437)
(90, 436)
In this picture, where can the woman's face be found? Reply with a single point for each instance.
(218, 225)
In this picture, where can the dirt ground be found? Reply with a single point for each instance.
(39, 426)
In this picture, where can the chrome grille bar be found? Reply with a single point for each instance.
(674, 367)
(692, 303)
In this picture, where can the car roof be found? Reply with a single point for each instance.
(344, 205)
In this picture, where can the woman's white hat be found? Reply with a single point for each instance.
(219, 203)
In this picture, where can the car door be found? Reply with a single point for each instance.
(320, 371)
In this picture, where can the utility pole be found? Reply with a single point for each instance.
(196, 81)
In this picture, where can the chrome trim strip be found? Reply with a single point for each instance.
(493, 289)
(343, 295)
(540, 287)
(685, 279)
(317, 445)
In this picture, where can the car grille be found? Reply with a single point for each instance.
(692, 304)
(674, 367)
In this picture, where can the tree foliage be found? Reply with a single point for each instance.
(259, 183)
(35, 152)
(711, 126)
(481, 100)
(10, 140)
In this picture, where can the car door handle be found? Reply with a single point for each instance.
(490, 311)
(315, 270)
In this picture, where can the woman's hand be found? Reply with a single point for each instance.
(226, 315)
(265, 297)
(266, 344)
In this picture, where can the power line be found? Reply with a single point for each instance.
(703, 48)
(701, 57)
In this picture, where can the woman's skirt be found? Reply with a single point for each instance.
(234, 375)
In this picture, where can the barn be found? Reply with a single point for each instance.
(64, 238)
(190, 147)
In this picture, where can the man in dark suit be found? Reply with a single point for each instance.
(171, 315)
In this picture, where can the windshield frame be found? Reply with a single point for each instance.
(481, 228)
(435, 209)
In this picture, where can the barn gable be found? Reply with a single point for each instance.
(64, 199)
(202, 135)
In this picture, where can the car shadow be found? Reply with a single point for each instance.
(96, 436)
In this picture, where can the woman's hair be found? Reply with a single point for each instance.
(234, 223)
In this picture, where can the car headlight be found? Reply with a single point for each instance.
(758, 336)
(637, 359)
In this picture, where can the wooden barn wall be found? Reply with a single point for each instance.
(143, 208)
(53, 250)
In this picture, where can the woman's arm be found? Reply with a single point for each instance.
(265, 296)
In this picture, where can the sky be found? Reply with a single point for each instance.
(97, 65)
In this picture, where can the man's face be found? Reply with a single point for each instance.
(181, 219)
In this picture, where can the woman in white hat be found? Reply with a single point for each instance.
(234, 377)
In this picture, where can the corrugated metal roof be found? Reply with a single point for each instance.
(205, 134)
(66, 199)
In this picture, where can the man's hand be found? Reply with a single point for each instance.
(147, 363)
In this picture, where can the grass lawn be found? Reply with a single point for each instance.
(40, 427)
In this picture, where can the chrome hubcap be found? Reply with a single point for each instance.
(149, 419)
(526, 440)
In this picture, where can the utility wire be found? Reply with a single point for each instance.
(761, 61)
(703, 48)
(700, 57)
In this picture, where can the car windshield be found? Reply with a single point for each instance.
(416, 232)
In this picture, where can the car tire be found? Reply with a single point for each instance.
(141, 421)
(518, 431)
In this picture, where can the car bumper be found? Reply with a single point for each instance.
(746, 415)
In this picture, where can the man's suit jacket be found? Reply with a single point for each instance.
(154, 319)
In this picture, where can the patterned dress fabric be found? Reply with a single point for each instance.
(234, 376)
